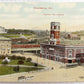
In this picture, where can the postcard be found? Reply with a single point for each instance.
(41, 42)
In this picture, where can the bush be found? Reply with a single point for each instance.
(18, 57)
(29, 60)
(17, 68)
(23, 58)
(2, 57)
(20, 62)
(35, 64)
(9, 57)
(13, 57)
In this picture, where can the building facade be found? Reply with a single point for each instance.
(56, 51)
(5, 46)
(2, 30)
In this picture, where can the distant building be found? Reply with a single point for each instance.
(22, 36)
(73, 36)
(2, 30)
(5, 46)
(62, 50)
(19, 40)
(82, 37)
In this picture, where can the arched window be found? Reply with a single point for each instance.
(52, 35)
(70, 51)
(70, 56)
(59, 27)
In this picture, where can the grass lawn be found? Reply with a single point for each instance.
(4, 70)
(12, 36)
(27, 34)
(8, 34)
(15, 62)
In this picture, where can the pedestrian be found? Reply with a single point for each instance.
(52, 68)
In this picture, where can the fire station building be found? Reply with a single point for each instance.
(62, 50)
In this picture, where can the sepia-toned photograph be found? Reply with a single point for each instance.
(41, 42)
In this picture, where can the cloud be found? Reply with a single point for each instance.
(16, 8)
(82, 9)
(67, 5)
(9, 15)
(28, 9)
(1, 5)
(31, 3)
(10, 7)
(78, 16)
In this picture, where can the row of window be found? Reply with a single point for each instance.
(5, 41)
(5, 52)
(5, 45)
(56, 27)
(5, 49)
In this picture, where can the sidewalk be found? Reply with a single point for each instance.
(25, 66)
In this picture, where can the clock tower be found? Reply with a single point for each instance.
(55, 33)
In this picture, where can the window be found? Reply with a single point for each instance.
(77, 55)
(2, 45)
(52, 35)
(56, 59)
(4, 52)
(59, 27)
(70, 51)
(57, 34)
(9, 41)
(47, 57)
(8, 50)
(55, 27)
(8, 45)
(2, 49)
(52, 27)
(70, 56)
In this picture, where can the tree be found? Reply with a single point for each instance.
(13, 57)
(23, 58)
(35, 64)
(19, 57)
(29, 60)
(17, 68)
(20, 62)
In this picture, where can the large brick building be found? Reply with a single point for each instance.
(5, 46)
(66, 51)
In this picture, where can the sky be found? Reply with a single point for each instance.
(38, 15)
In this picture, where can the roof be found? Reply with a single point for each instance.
(68, 43)
(3, 38)
(72, 42)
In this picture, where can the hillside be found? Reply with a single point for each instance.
(16, 33)
(80, 33)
